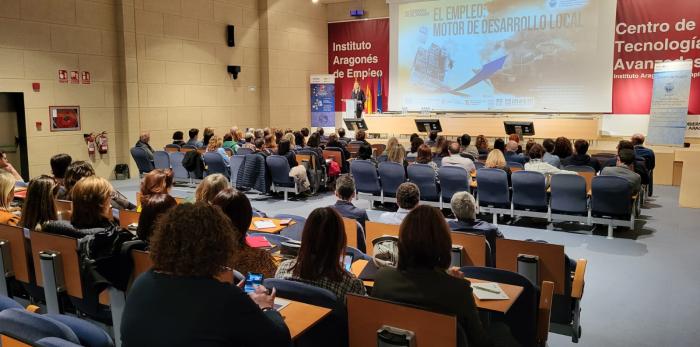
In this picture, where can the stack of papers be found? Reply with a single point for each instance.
(488, 291)
(264, 224)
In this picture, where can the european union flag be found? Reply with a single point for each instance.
(379, 95)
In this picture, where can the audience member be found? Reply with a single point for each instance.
(75, 171)
(158, 181)
(580, 158)
(6, 166)
(229, 143)
(258, 133)
(562, 148)
(238, 137)
(548, 157)
(464, 208)
(59, 165)
(512, 155)
(455, 159)
(323, 244)
(8, 214)
(432, 138)
(397, 154)
(260, 148)
(249, 141)
(152, 207)
(625, 169)
(500, 145)
(313, 145)
(190, 249)
(178, 138)
(482, 145)
(299, 140)
(639, 162)
(208, 133)
(644, 152)
(333, 142)
(319, 130)
(528, 145)
(210, 187)
(298, 172)
(143, 142)
(237, 208)
(536, 163)
(214, 146)
(467, 148)
(193, 141)
(390, 144)
(496, 160)
(442, 147)
(423, 277)
(270, 145)
(305, 132)
(341, 135)
(407, 197)
(425, 156)
(360, 137)
(39, 205)
(292, 140)
(416, 142)
(365, 153)
(278, 135)
(515, 138)
(345, 192)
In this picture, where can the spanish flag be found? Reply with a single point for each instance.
(368, 97)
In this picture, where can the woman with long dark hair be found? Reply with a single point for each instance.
(39, 206)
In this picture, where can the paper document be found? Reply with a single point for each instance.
(489, 291)
(281, 303)
(264, 224)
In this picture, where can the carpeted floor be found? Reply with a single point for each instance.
(642, 288)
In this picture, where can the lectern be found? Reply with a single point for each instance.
(689, 195)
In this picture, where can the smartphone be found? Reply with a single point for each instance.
(251, 281)
(347, 261)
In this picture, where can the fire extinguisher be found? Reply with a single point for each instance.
(102, 143)
(90, 140)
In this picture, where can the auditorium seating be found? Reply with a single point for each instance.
(529, 194)
(141, 158)
(281, 182)
(423, 176)
(214, 164)
(171, 148)
(452, 179)
(161, 160)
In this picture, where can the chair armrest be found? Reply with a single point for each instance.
(33, 308)
(544, 310)
(577, 285)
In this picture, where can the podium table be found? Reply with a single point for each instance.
(689, 195)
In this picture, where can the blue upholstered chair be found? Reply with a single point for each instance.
(141, 158)
(611, 202)
(530, 194)
(279, 170)
(215, 164)
(366, 180)
(453, 179)
(161, 160)
(569, 199)
(493, 195)
(391, 175)
(423, 176)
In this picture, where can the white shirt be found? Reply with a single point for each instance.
(545, 168)
(393, 217)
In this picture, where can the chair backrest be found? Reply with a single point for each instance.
(478, 165)
(244, 151)
(350, 231)
(303, 292)
(579, 168)
(611, 196)
(493, 188)
(236, 163)
(544, 312)
(171, 147)
(279, 169)
(141, 158)
(529, 190)
(474, 247)
(335, 154)
(18, 252)
(512, 164)
(127, 217)
(374, 230)
(366, 315)
(522, 316)
(353, 148)
(568, 194)
(179, 171)
(365, 174)
(68, 247)
(378, 149)
(142, 262)
(20, 327)
(64, 206)
(187, 148)
(302, 158)
(161, 160)
(423, 176)
(551, 259)
(215, 163)
(391, 175)
(453, 179)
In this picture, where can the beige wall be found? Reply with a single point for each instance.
(341, 11)
(293, 45)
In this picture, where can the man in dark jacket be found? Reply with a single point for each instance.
(143, 142)
(648, 155)
(464, 207)
(580, 158)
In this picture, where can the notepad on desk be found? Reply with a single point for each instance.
(281, 303)
(488, 291)
(264, 224)
(257, 242)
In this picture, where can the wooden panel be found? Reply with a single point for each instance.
(375, 230)
(142, 262)
(306, 158)
(68, 247)
(18, 251)
(689, 195)
(299, 317)
(663, 172)
(63, 206)
(6, 341)
(366, 315)
(127, 217)
(350, 231)
(579, 279)
(501, 306)
(335, 156)
(677, 173)
(474, 246)
(551, 259)
(574, 128)
(544, 310)
(171, 149)
(588, 176)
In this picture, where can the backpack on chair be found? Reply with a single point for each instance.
(386, 251)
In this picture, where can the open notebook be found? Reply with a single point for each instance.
(489, 291)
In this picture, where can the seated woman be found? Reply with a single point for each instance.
(229, 143)
(210, 186)
(422, 277)
(158, 181)
(270, 145)
(425, 156)
(80, 169)
(397, 154)
(214, 145)
(496, 160)
(152, 207)
(314, 144)
(415, 143)
(237, 208)
(39, 205)
(298, 172)
(190, 249)
(8, 214)
(365, 153)
(323, 243)
(390, 145)
(537, 164)
(482, 145)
